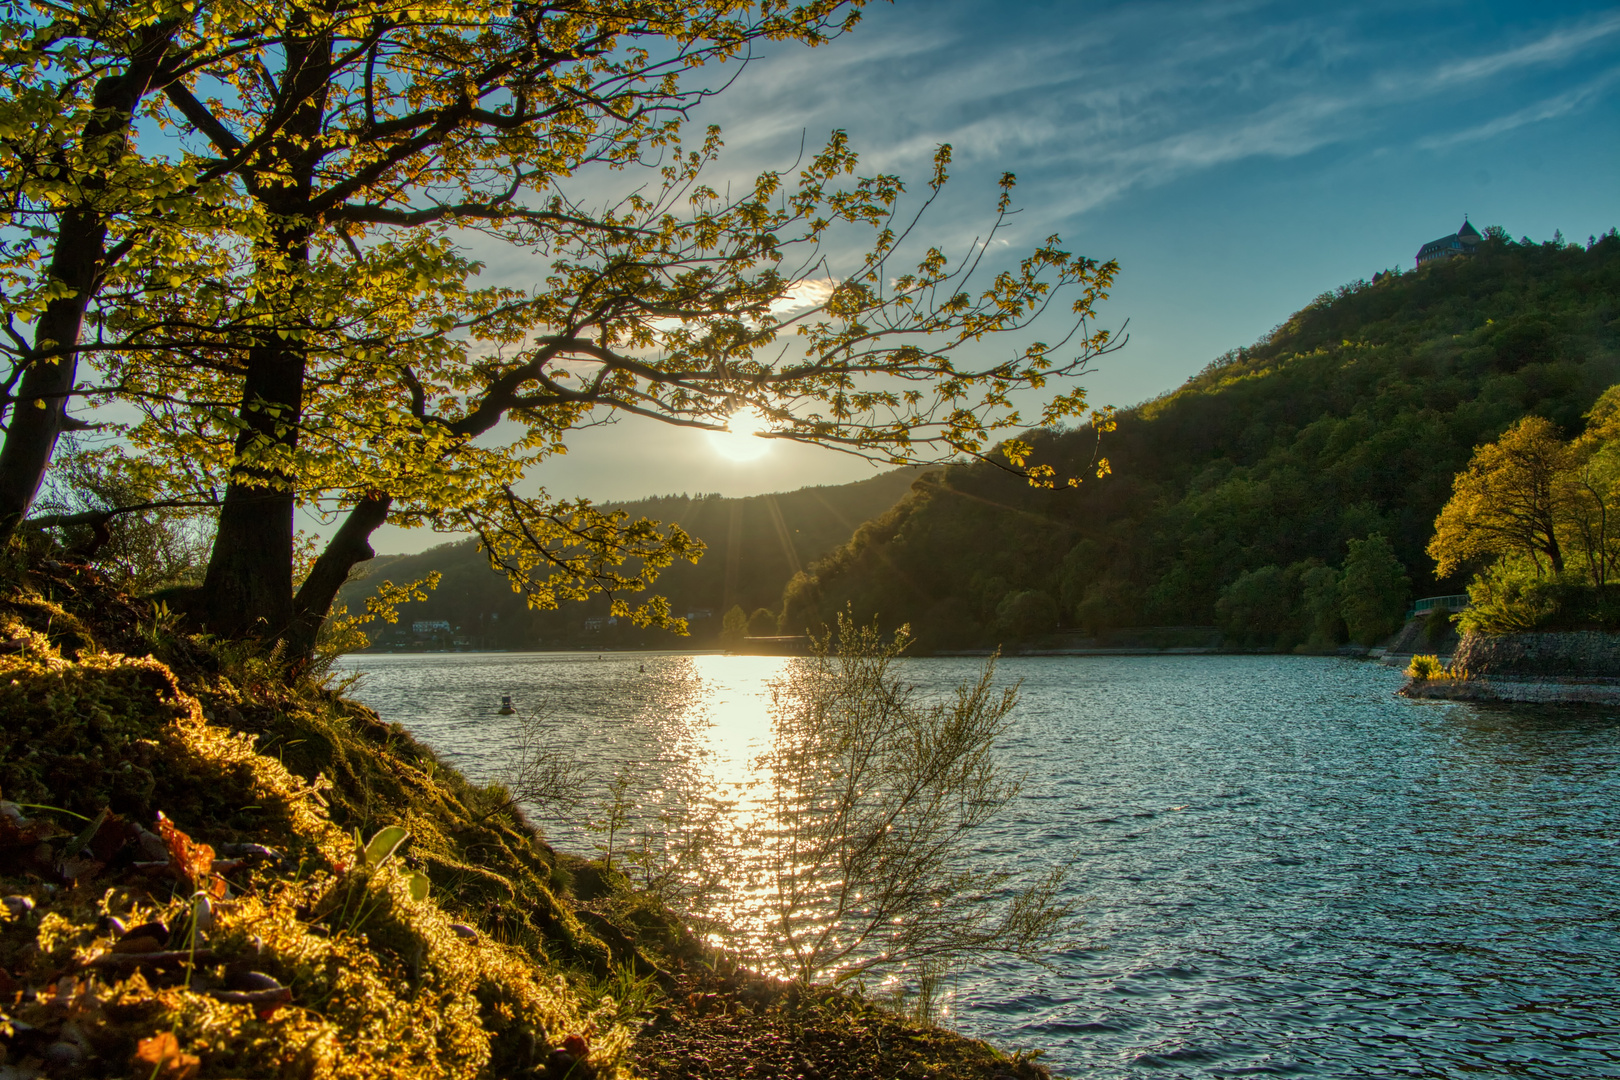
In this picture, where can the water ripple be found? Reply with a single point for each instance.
(1282, 869)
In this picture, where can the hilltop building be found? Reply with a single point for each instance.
(1461, 242)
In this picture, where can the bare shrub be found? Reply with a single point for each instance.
(874, 797)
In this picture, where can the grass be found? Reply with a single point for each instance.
(519, 961)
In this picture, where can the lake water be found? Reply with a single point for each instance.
(1283, 869)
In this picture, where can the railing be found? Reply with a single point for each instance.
(1447, 603)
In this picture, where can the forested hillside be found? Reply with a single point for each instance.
(754, 546)
(1230, 495)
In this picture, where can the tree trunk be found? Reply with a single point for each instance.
(77, 261)
(347, 549)
(247, 590)
(41, 403)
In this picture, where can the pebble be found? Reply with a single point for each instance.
(203, 915)
(464, 931)
(18, 905)
(63, 1055)
(151, 845)
(250, 851)
(253, 980)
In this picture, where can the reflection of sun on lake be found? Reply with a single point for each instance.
(728, 727)
(729, 718)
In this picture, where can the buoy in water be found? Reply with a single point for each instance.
(506, 706)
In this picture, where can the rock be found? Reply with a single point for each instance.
(61, 1057)
(257, 989)
(465, 932)
(145, 938)
(202, 916)
(18, 905)
(251, 852)
(152, 846)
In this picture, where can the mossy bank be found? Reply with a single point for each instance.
(185, 895)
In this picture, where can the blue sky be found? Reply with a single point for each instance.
(1237, 158)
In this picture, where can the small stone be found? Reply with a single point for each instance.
(147, 937)
(151, 845)
(62, 1056)
(250, 851)
(203, 915)
(465, 932)
(18, 905)
(113, 925)
(253, 980)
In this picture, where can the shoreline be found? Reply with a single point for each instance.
(1515, 691)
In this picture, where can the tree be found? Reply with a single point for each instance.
(92, 505)
(329, 348)
(1374, 590)
(1258, 606)
(1025, 614)
(1510, 499)
(761, 623)
(733, 628)
(1321, 589)
(83, 209)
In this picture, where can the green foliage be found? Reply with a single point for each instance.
(1026, 614)
(1514, 596)
(1424, 668)
(1373, 591)
(1322, 595)
(762, 623)
(143, 551)
(1256, 607)
(734, 628)
(1539, 514)
(1437, 624)
(1350, 419)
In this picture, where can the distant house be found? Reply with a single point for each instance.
(1461, 242)
(430, 626)
(601, 622)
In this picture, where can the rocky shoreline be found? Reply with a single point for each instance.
(1528, 691)
(1577, 667)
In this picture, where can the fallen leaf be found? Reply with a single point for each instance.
(191, 862)
(163, 1055)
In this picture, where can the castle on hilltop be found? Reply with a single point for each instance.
(1461, 242)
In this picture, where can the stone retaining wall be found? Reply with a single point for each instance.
(1580, 655)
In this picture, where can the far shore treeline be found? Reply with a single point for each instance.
(1234, 502)
(753, 545)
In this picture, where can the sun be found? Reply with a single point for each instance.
(739, 442)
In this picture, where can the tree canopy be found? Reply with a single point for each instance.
(1350, 419)
(1536, 517)
(263, 216)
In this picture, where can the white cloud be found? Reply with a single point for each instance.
(1548, 109)
(1146, 94)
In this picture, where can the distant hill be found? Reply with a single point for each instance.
(1349, 419)
(755, 545)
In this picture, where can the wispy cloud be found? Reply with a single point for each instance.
(1553, 48)
(1148, 94)
(1549, 109)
